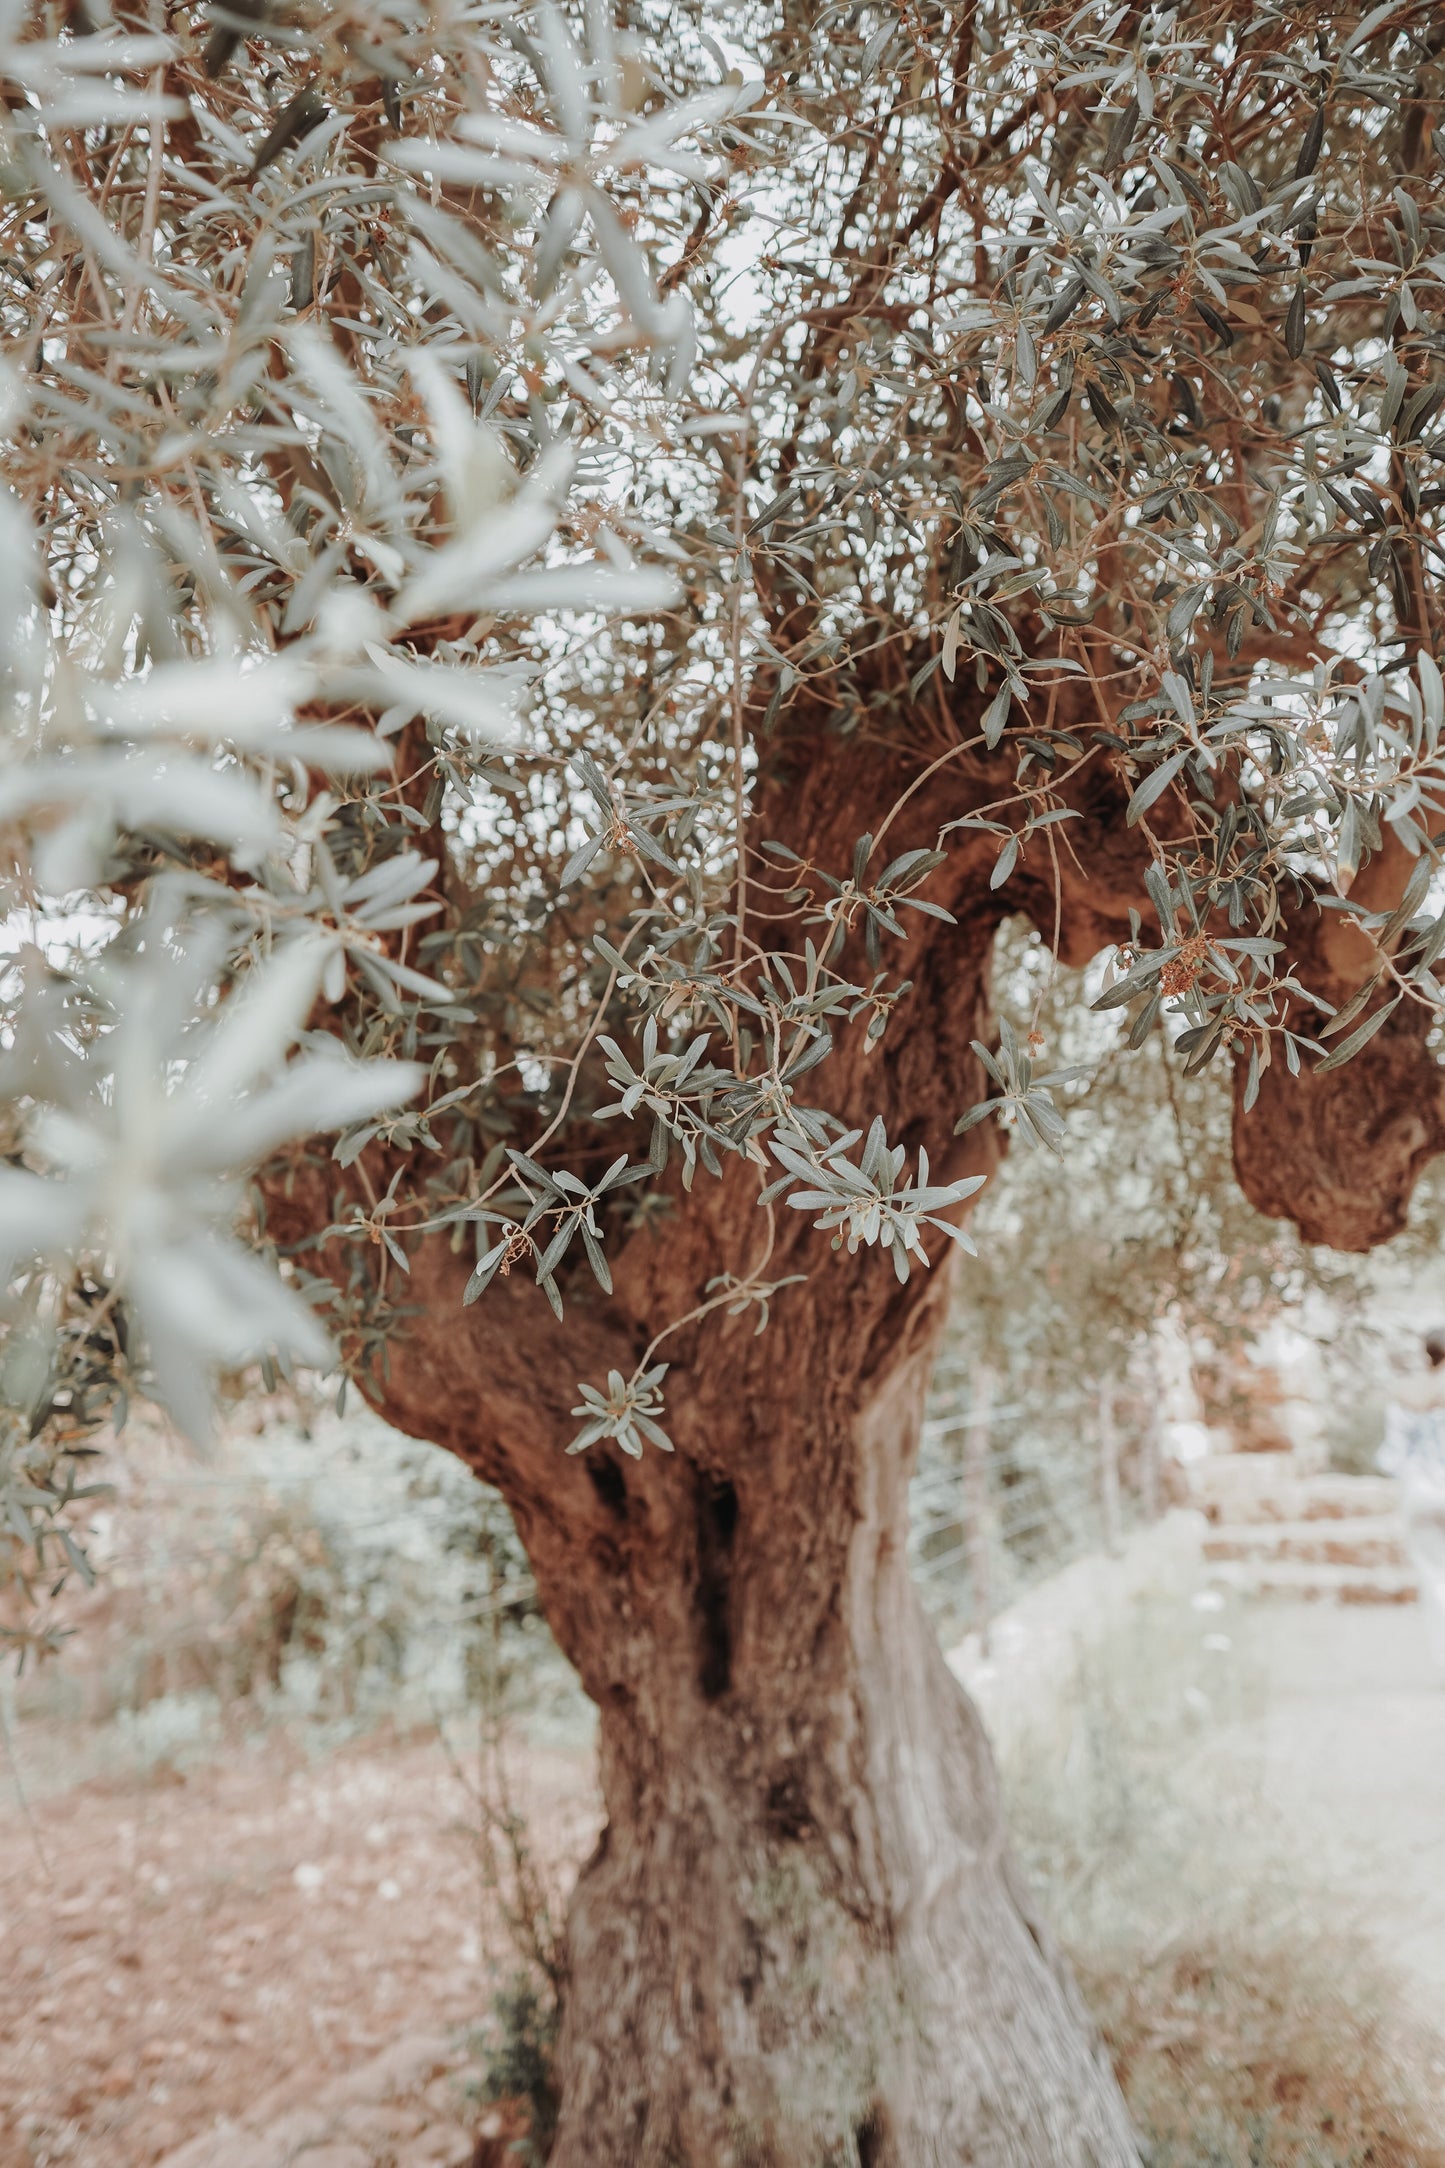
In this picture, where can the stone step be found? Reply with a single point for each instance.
(1298, 1580)
(1364, 1539)
(1271, 1487)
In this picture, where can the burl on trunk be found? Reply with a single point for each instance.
(801, 1940)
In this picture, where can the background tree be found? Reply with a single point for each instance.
(1129, 1219)
(571, 565)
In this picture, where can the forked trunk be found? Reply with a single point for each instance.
(802, 1940)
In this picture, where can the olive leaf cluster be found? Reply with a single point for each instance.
(305, 410)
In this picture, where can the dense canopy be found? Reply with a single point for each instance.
(452, 452)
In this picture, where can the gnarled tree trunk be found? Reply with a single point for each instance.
(801, 1941)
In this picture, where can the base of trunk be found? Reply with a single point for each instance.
(823, 1957)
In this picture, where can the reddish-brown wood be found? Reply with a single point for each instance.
(801, 1939)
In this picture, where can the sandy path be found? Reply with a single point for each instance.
(1277, 1765)
(1348, 1752)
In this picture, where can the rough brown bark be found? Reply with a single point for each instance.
(1340, 1154)
(801, 1941)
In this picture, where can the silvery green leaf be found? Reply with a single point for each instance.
(1180, 696)
(331, 748)
(590, 1433)
(1350, 843)
(653, 1431)
(44, 62)
(1155, 784)
(646, 141)
(390, 881)
(463, 572)
(137, 790)
(472, 465)
(321, 366)
(478, 702)
(205, 1303)
(631, 273)
(951, 642)
(1183, 611)
(1360, 1036)
(257, 1026)
(1005, 862)
(39, 1218)
(596, 1259)
(514, 138)
(95, 231)
(457, 162)
(566, 79)
(995, 716)
(585, 587)
(314, 1095)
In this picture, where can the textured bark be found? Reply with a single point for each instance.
(1340, 1154)
(801, 1941)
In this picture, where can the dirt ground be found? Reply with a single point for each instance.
(189, 1959)
(187, 1943)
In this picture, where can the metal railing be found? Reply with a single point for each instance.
(1008, 1492)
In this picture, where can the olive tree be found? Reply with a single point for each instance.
(565, 567)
